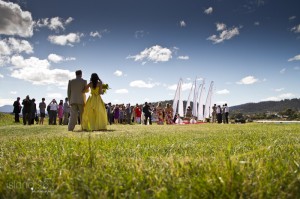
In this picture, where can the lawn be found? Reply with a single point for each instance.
(137, 161)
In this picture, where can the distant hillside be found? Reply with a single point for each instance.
(268, 106)
(6, 109)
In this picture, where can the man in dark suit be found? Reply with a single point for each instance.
(17, 110)
(147, 113)
(26, 110)
(76, 98)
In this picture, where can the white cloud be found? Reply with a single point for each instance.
(183, 57)
(95, 34)
(220, 26)
(256, 23)
(55, 23)
(296, 58)
(223, 92)
(271, 99)
(172, 87)
(4, 101)
(287, 96)
(142, 84)
(182, 23)
(98, 34)
(15, 21)
(4, 60)
(279, 89)
(184, 86)
(154, 53)
(208, 10)
(12, 45)
(121, 91)
(118, 73)
(38, 72)
(139, 34)
(282, 71)
(280, 97)
(54, 96)
(226, 34)
(55, 58)
(296, 29)
(63, 40)
(292, 17)
(248, 80)
(70, 59)
(1, 76)
(69, 20)
(4, 48)
(13, 92)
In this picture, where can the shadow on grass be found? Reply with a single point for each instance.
(95, 131)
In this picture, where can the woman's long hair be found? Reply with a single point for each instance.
(95, 79)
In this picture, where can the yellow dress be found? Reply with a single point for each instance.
(94, 115)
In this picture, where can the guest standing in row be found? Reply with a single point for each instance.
(26, 110)
(226, 112)
(214, 113)
(42, 107)
(17, 110)
(160, 114)
(66, 112)
(169, 114)
(60, 112)
(219, 114)
(53, 112)
(138, 113)
(147, 113)
(33, 112)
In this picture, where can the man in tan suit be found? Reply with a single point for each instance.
(76, 89)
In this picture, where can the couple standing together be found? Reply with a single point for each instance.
(92, 112)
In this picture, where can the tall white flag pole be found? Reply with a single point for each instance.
(200, 103)
(180, 101)
(194, 110)
(188, 103)
(176, 97)
(207, 110)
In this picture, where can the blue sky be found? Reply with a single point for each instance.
(141, 48)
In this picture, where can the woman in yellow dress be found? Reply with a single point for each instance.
(94, 116)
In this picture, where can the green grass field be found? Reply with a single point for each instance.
(134, 161)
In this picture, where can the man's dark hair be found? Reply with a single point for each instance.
(78, 72)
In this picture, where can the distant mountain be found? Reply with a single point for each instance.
(6, 109)
(267, 106)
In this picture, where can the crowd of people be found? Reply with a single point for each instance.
(139, 114)
(115, 113)
(30, 114)
(94, 114)
(59, 113)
